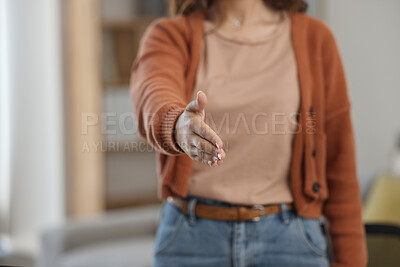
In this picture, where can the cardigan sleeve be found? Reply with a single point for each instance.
(343, 207)
(157, 84)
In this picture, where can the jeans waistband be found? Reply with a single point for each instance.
(284, 213)
(216, 202)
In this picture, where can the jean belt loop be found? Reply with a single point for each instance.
(284, 213)
(191, 210)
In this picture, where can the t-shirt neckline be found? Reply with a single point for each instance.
(211, 28)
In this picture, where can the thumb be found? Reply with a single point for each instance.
(198, 104)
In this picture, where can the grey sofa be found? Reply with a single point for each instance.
(116, 239)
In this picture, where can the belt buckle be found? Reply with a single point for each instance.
(261, 209)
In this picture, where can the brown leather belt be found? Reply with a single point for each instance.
(238, 213)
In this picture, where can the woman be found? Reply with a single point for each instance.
(247, 106)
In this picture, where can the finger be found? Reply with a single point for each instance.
(202, 129)
(222, 154)
(198, 104)
(203, 145)
(221, 157)
(206, 157)
(205, 161)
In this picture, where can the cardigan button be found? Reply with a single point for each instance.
(311, 110)
(316, 187)
(314, 152)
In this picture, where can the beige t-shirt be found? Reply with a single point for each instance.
(253, 98)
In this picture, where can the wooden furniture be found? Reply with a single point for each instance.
(120, 46)
(85, 165)
(382, 205)
(99, 53)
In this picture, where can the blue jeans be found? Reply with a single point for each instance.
(282, 239)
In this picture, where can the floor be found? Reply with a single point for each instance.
(17, 260)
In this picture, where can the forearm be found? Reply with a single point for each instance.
(158, 86)
(156, 115)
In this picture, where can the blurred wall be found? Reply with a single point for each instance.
(4, 129)
(368, 35)
(36, 118)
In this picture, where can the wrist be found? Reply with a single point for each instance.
(174, 135)
(167, 127)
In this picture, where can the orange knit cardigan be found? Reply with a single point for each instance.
(323, 175)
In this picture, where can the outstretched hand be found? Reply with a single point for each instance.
(195, 137)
